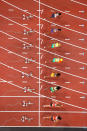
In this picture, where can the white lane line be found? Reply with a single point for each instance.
(47, 96)
(78, 2)
(45, 19)
(44, 49)
(46, 65)
(17, 96)
(71, 112)
(52, 38)
(42, 79)
(61, 11)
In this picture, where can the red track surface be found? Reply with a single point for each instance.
(14, 74)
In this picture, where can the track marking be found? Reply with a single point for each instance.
(44, 18)
(10, 38)
(25, 24)
(47, 96)
(67, 25)
(10, 24)
(82, 39)
(81, 11)
(25, 38)
(11, 10)
(82, 53)
(67, 39)
(81, 25)
(41, 79)
(82, 68)
(67, 68)
(52, 38)
(82, 82)
(67, 82)
(67, 97)
(82, 97)
(67, 11)
(78, 2)
(67, 53)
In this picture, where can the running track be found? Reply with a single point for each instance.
(23, 86)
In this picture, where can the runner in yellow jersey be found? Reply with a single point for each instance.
(53, 75)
